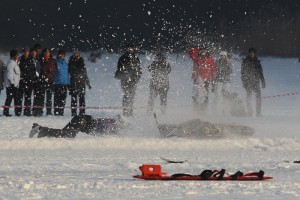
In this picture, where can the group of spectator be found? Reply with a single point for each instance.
(36, 73)
(207, 73)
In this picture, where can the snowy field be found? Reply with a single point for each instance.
(102, 167)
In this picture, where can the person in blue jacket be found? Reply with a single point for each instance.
(61, 83)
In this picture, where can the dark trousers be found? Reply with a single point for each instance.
(39, 98)
(74, 99)
(257, 92)
(12, 93)
(25, 93)
(154, 92)
(60, 96)
(129, 89)
(78, 123)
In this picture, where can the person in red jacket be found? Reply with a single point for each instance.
(204, 74)
(48, 70)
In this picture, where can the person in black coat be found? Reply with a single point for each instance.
(253, 79)
(159, 83)
(28, 78)
(84, 123)
(2, 70)
(129, 73)
(78, 81)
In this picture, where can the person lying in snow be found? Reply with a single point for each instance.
(199, 129)
(83, 123)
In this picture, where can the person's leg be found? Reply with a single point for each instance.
(63, 100)
(27, 101)
(82, 104)
(248, 101)
(125, 103)
(18, 99)
(206, 87)
(49, 132)
(132, 90)
(195, 93)
(9, 98)
(49, 99)
(258, 102)
(73, 104)
(152, 96)
(163, 99)
(56, 98)
(38, 101)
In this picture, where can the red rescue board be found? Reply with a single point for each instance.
(153, 172)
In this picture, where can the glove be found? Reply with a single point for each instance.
(12, 85)
(90, 87)
(263, 85)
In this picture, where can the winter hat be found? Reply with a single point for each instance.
(223, 53)
(13, 53)
(32, 49)
(61, 52)
(251, 50)
(76, 52)
(26, 49)
(159, 56)
(37, 46)
(130, 45)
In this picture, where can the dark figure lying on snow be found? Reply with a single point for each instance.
(82, 123)
(199, 129)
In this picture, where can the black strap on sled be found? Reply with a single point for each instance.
(220, 174)
(206, 174)
(236, 175)
(175, 176)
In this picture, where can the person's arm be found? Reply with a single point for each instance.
(87, 81)
(193, 52)
(122, 64)
(10, 72)
(213, 69)
(169, 69)
(243, 73)
(261, 75)
(138, 67)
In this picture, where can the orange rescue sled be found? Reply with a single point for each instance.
(154, 172)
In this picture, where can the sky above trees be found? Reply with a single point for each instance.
(94, 24)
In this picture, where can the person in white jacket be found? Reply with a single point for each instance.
(11, 82)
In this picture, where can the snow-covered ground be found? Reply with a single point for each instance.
(102, 167)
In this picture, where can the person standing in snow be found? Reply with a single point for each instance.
(224, 71)
(129, 73)
(38, 49)
(78, 81)
(253, 78)
(204, 74)
(11, 82)
(2, 69)
(61, 83)
(48, 69)
(159, 83)
(28, 78)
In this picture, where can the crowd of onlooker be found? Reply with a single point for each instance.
(37, 73)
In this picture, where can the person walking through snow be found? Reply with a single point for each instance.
(129, 73)
(204, 74)
(159, 83)
(253, 79)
